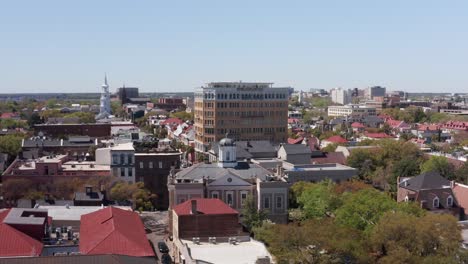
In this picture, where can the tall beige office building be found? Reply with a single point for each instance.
(247, 111)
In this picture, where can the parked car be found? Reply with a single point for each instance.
(163, 248)
(166, 259)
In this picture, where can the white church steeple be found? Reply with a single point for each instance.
(104, 106)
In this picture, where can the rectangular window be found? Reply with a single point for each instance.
(122, 172)
(130, 172)
(150, 164)
(115, 159)
(215, 195)
(160, 164)
(141, 165)
(266, 202)
(243, 197)
(122, 159)
(230, 198)
(279, 202)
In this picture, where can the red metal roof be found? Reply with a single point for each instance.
(204, 206)
(114, 231)
(336, 139)
(172, 120)
(357, 125)
(16, 243)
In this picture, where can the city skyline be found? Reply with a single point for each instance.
(175, 47)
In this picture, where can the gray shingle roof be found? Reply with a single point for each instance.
(243, 170)
(426, 181)
(295, 149)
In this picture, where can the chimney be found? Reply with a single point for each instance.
(452, 184)
(194, 207)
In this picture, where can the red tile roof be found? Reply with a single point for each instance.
(457, 125)
(377, 135)
(204, 206)
(172, 120)
(16, 243)
(8, 115)
(357, 125)
(330, 157)
(461, 195)
(295, 140)
(114, 231)
(336, 139)
(293, 120)
(426, 127)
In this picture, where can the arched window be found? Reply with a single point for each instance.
(435, 202)
(449, 201)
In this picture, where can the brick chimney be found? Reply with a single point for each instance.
(194, 207)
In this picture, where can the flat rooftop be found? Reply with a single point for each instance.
(73, 213)
(242, 253)
(316, 167)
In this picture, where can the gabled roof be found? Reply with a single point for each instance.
(426, 181)
(79, 259)
(205, 206)
(296, 149)
(461, 194)
(16, 243)
(336, 139)
(113, 231)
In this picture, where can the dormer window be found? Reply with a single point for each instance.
(435, 202)
(449, 201)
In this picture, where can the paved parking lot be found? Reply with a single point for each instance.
(157, 223)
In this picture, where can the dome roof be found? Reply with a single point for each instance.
(227, 141)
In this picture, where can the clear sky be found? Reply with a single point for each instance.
(163, 46)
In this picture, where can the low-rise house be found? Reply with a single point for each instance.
(21, 232)
(375, 136)
(358, 127)
(333, 140)
(431, 191)
(295, 153)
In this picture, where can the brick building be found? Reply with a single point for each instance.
(205, 218)
(153, 169)
(60, 130)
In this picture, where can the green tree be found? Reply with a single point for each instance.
(319, 200)
(363, 209)
(10, 144)
(439, 164)
(403, 238)
(251, 216)
(364, 161)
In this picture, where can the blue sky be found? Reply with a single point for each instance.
(66, 46)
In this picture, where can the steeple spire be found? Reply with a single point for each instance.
(105, 78)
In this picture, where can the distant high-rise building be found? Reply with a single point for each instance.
(125, 93)
(247, 111)
(375, 91)
(104, 106)
(341, 96)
